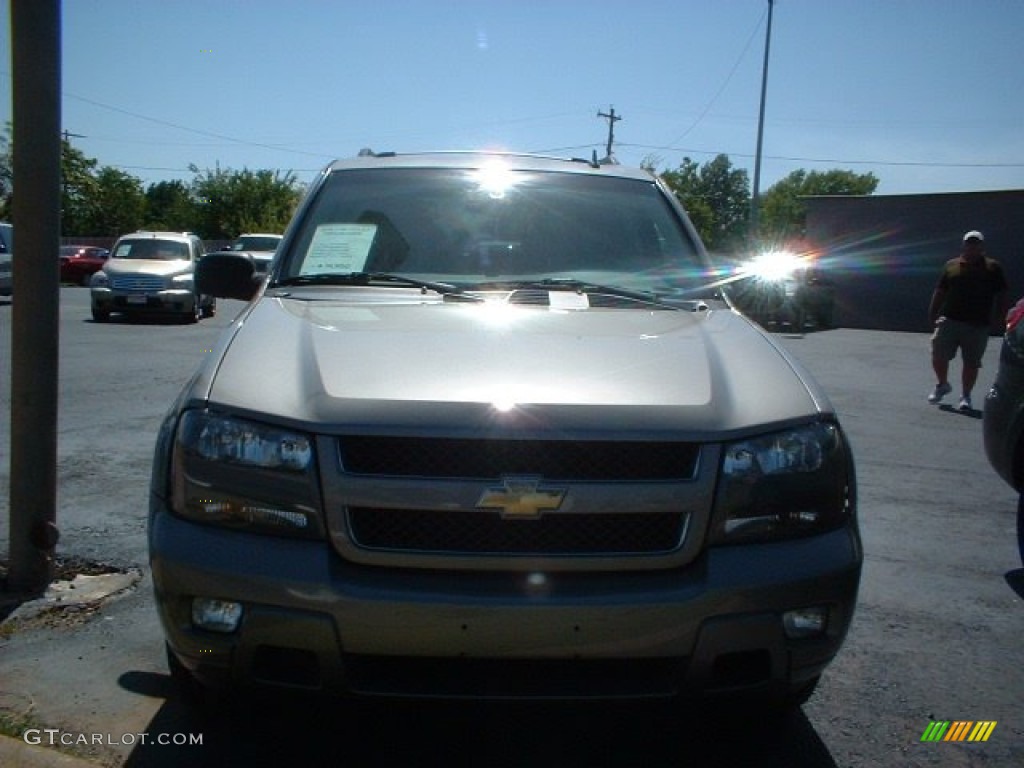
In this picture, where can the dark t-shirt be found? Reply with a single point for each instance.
(971, 289)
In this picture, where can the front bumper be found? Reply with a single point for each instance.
(313, 621)
(174, 300)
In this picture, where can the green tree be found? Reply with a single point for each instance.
(79, 191)
(717, 198)
(171, 207)
(120, 204)
(232, 202)
(783, 210)
(6, 173)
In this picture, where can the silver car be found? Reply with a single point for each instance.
(489, 430)
(6, 259)
(151, 273)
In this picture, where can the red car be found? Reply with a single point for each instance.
(79, 262)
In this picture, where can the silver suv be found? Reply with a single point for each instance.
(151, 272)
(489, 429)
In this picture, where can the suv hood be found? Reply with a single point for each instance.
(146, 267)
(380, 367)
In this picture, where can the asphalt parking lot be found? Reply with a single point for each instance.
(936, 636)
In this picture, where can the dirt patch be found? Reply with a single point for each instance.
(61, 606)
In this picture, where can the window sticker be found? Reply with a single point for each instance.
(339, 249)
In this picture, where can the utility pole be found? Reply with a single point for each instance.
(612, 120)
(755, 202)
(35, 317)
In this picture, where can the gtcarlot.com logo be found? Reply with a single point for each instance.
(958, 730)
(54, 737)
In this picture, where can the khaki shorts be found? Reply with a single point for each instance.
(951, 335)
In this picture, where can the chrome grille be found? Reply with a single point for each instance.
(479, 533)
(139, 283)
(604, 461)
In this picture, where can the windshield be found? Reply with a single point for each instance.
(156, 250)
(472, 228)
(255, 243)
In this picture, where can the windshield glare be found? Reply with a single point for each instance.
(480, 228)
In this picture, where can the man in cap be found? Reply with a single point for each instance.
(970, 295)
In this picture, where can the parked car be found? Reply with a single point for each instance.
(489, 430)
(78, 263)
(151, 273)
(1003, 414)
(6, 259)
(260, 247)
(779, 289)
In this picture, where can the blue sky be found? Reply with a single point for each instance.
(926, 94)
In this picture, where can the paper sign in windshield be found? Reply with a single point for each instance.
(339, 249)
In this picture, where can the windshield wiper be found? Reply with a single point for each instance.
(368, 278)
(587, 287)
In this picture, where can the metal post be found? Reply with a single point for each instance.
(35, 33)
(755, 223)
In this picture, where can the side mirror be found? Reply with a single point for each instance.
(226, 275)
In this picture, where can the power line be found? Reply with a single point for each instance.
(728, 79)
(199, 131)
(912, 163)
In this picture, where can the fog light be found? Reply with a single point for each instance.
(805, 622)
(216, 615)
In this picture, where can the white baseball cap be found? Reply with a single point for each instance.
(974, 235)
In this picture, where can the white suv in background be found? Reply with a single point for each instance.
(151, 273)
(260, 247)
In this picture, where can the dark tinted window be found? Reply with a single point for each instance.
(255, 244)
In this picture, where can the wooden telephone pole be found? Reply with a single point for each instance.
(612, 119)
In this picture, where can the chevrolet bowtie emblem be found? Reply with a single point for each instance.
(520, 498)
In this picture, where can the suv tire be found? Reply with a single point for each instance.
(195, 313)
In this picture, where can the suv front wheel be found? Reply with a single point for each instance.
(194, 313)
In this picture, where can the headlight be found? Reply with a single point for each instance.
(99, 280)
(784, 485)
(240, 473)
(222, 438)
(182, 281)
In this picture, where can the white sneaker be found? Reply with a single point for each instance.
(940, 391)
(965, 403)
